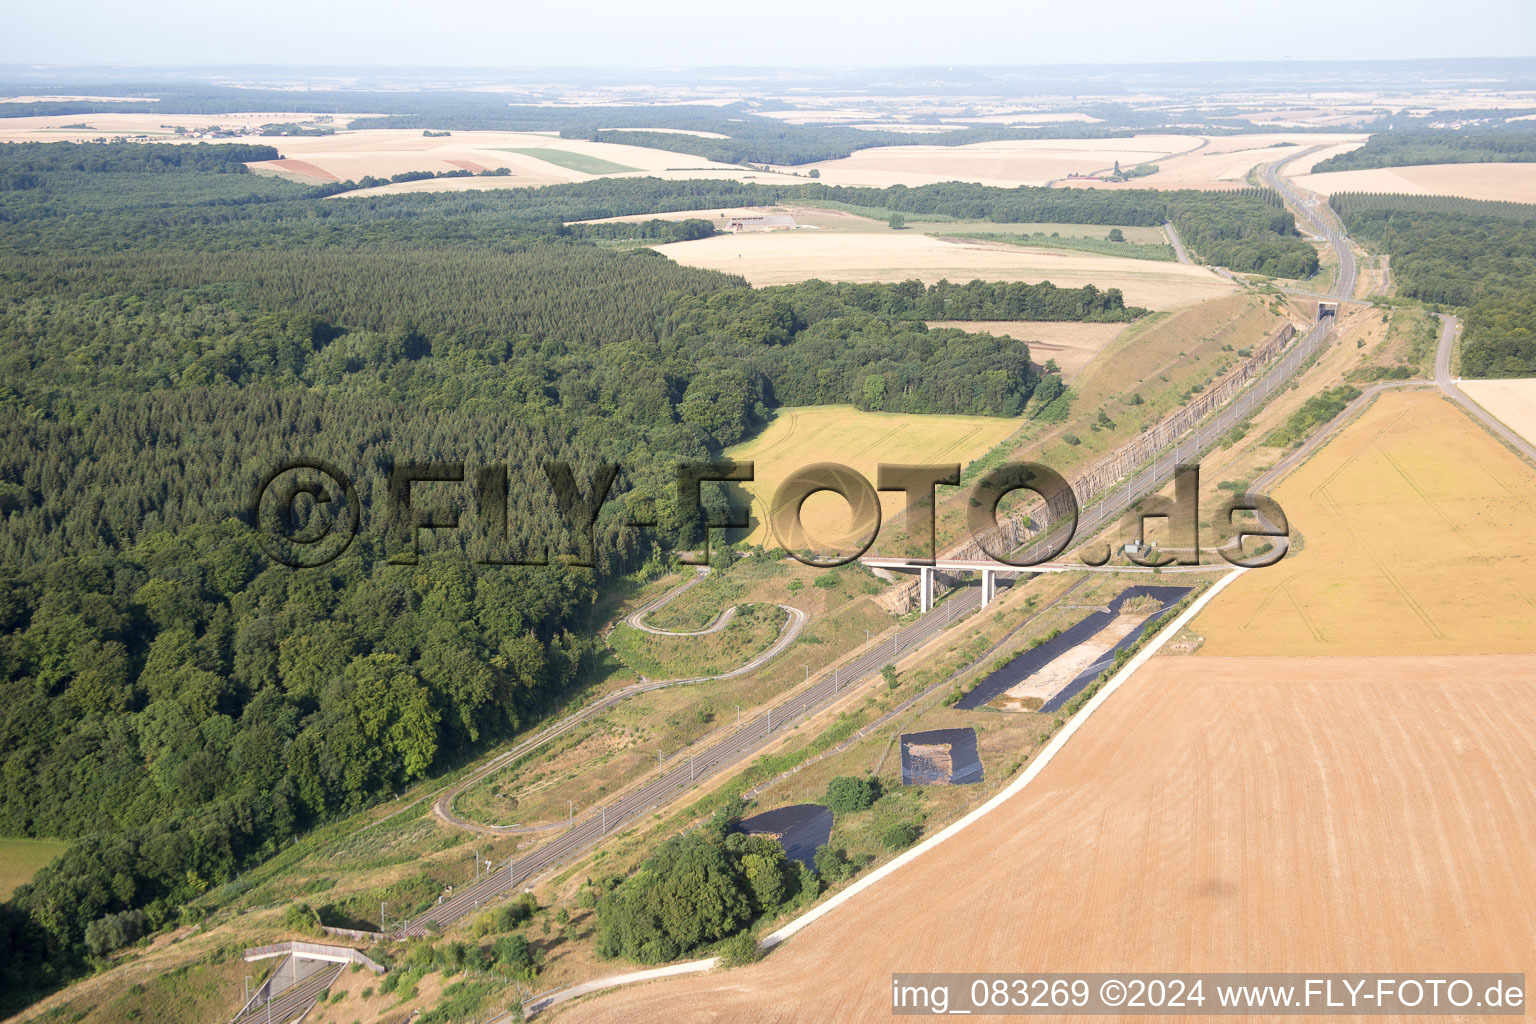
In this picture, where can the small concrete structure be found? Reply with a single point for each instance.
(760, 222)
(314, 951)
(301, 962)
(988, 568)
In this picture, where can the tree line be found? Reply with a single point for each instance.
(1406, 148)
(1480, 257)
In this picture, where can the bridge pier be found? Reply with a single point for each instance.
(988, 586)
(925, 588)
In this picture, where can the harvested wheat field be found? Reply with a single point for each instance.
(1230, 160)
(1414, 525)
(799, 437)
(1300, 165)
(1005, 163)
(157, 127)
(1513, 402)
(533, 158)
(1513, 183)
(1234, 814)
(785, 257)
(1072, 345)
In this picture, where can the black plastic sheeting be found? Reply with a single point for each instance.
(801, 828)
(965, 763)
(1036, 658)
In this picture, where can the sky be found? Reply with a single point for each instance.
(693, 33)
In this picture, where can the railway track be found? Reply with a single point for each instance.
(766, 727)
(763, 729)
(294, 1002)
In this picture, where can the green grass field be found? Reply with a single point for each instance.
(1130, 250)
(20, 859)
(1133, 232)
(572, 161)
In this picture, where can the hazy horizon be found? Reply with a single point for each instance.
(692, 33)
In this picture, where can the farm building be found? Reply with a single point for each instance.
(760, 222)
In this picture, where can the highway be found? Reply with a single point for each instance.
(1319, 215)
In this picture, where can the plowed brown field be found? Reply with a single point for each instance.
(1234, 814)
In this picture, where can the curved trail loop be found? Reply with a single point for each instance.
(443, 805)
(636, 619)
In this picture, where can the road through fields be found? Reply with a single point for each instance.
(757, 733)
(1449, 325)
(760, 731)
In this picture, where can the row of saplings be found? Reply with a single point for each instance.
(707, 886)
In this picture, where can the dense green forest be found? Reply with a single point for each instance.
(172, 328)
(1464, 253)
(1400, 149)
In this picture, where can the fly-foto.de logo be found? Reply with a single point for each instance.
(306, 513)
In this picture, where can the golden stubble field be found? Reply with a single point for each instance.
(1414, 527)
(785, 257)
(1072, 345)
(1232, 814)
(1230, 160)
(1183, 161)
(1005, 163)
(1512, 401)
(352, 155)
(799, 437)
(157, 126)
(1510, 182)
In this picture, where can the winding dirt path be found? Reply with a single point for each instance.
(443, 805)
(636, 619)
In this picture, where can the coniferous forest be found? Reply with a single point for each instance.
(1475, 256)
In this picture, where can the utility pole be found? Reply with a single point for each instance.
(382, 905)
(570, 812)
(690, 767)
(738, 716)
(605, 821)
(477, 865)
